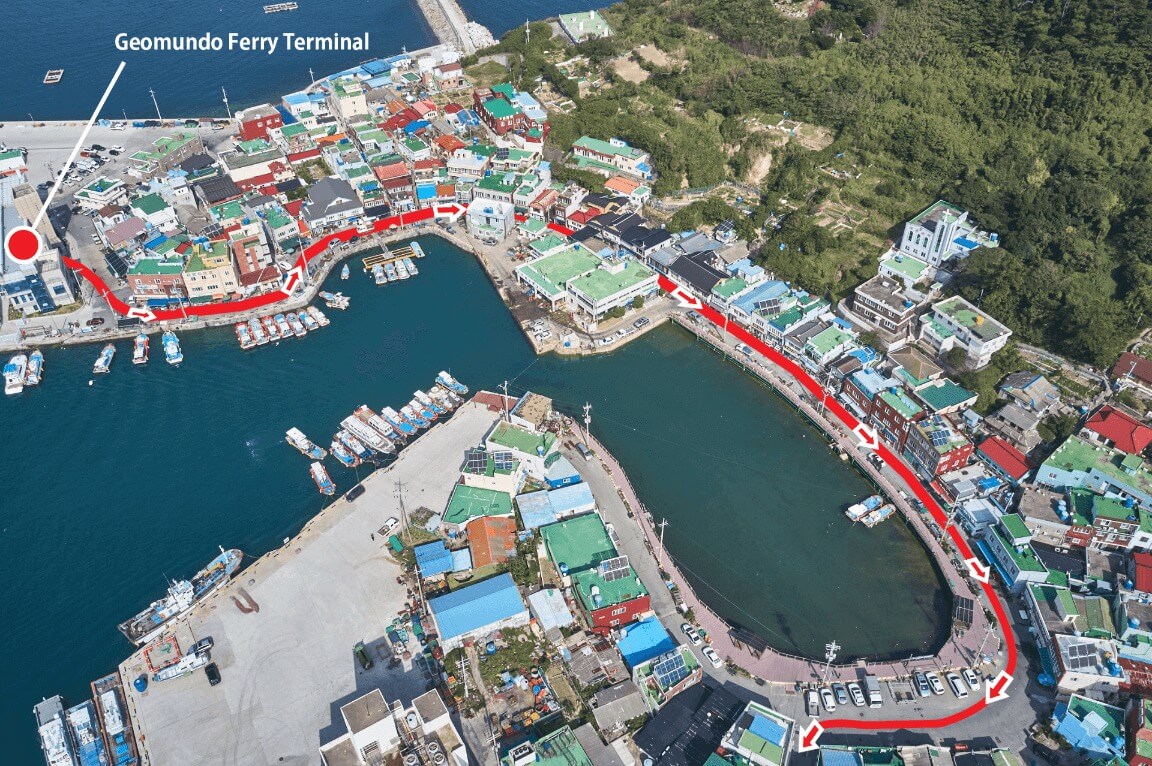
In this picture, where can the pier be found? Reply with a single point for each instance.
(451, 26)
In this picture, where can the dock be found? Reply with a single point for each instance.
(387, 255)
(286, 628)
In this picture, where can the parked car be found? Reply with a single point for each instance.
(828, 699)
(711, 655)
(956, 685)
(935, 682)
(972, 679)
(641, 322)
(391, 523)
(841, 693)
(213, 673)
(812, 702)
(202, 645)
(857, 694)
(922, 687)
(691, 633)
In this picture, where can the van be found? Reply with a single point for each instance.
(872, 687)
(582, 448)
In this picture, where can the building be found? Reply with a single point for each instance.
(101, 193)
(956, 323)
(610, 594)
(536, 450)
(167, 153)
(612, 156)
(1008, 547)
(666, 675)
(1138, 748)
(348, 99)
(1006, 461)
(379, 733)
(614, 283)
(893, 413)
(584, 26)
(492, 540)
(551, 612)
(331, 204)
(689, 728)
(760, 735)
(1088, 666)
(256, 121)
(548, 276)
(1016, 425)
(1080, 463)
(577, 544)
(1131, 368)
(1031, 391)
(943, 397)
(490, 220)
(209, 274)
(1055, 610)
(497, 471)
(477, 610)
(829, 344)
(936, 446)
(614, 707)
(888, 305)
(157, 282)
(560, 748)
(544, 507)
(467, 503)
(942, 232)
(1117, 430)
(154, 211)
(861, 388)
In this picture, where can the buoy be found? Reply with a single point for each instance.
(90, 382)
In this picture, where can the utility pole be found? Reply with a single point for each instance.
(830, 651)
(987, 632)
(403, 511)
(663, 523)
(311, 77)
(504, 401)
(587, 416)
(227, 108)
(153, 94)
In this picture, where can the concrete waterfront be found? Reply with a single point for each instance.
(289, 666)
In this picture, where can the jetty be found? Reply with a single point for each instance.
(452, 26)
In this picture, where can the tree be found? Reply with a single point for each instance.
(638, 302)
(615, 313)
(956, 357)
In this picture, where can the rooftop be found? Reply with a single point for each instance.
(607, 147)
(521, 439)
(579, 543)
(1025, 560)
(830, 339)
(472, 502)
(1076, 454)
(610, 592)
(601, 283)
(964, 314)
(475, 606)
(901, 402)
(945, 394)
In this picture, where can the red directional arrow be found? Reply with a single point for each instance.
(978, 570)
(868, 437)
(809, 736)
(997, 688)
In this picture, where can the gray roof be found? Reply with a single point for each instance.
(618, 704)
(330, 196)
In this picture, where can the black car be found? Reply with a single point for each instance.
(213, 673)
(202, 645)
(97, 148)
(114, 153)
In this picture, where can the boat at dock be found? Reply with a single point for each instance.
(309, 321)
(270, 327)
(345, 272)
(452, 396)
(86, 735)
(53, 76)
(414, 417)
(401, 269)
(423, 410)
(184, 667)
(181, 596)
(298, 328)
(375, 422)
(322, 479)
(401, 424)
(442, 397)
(280, 7)
(257, 329)
(426, 400)
(353, 445)
(14, 374)
(451, 383)
(54, 739)
(172, 353)
(335, 300)
(109, 696)
(244, 335)
(140, 349)
(283, 326)
(410, 265)
(378, 274)
(367, 435)
(319, 316)
(341, 453)
(306, 446)
(857, 511)
(390, 271)
(874, 517)
(35, 369)
(104, 361)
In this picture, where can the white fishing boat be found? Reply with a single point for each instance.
(14, 374)
(309, 321)
(306, 446)
(354, 445)
(451, 383)
(244, 335)
(140, 349)
(298, 328)
(411, 266)
(341, 453)
(283, 326)
(401, 269)
(345, 272)
(257, 329)
(322, 479)
(366, 434)
(54, 739)
(35, 369)
(374, 421)
(172, 353)
(270, 327)
(104, 361)
(378, 274)
(318, 315)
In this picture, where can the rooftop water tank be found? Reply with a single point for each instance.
(1133, 622)
(412, 720)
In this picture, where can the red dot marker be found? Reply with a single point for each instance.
(22, 243)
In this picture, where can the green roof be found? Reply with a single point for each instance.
(1076, 454)
(157, 267)
(149, 204)
(551, 273)
(415, 145)
(473, 502)
(606, 147)
(1112, 717)
(228, 211)
(951, 440)
(829, 340)
(532, 226)
(560, 748)
(295, 129)
(729, 287)
(499, 108)
(579, 543)
(601, 284)
(1058, 599)
(254, 145)
(505, 89)
(1015, 526)
(968, 316)
(548, 243)
(944, 395)
(11, 154)
(496, 184)
(277, 218)
(911, 268)
(786, 319)
(101, 185)
(612, 592)
(1025, 561)
(900, 402)
(521, 439)
(1110, 508)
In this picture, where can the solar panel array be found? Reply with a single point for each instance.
(1081, 656)
(962, 614)
(476, 460)
(941, 437)
(614, 569)
(670, 670)
(504, 461)
(212, 230)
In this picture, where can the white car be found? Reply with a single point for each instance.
(935, 683)
(972, 679)
(711, 655)
(117, 148)
(957, 685)
(828, 699)
(390, 524)
(857, 694)
(691, 633)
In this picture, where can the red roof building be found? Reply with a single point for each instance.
(1142, 566)
(256, 121)
(492, 540)
(1005, 459)
(1129, 364)
(1111, 427)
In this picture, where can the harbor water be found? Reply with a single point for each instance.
(113, 487)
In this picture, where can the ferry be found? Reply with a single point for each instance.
(411, 266)
(109, 696)
(872, 518)
(366, 434)
(307, 448)
(414, 417)
(309, 321)
(270, 327)
(35, 369)
(375, 422)
(322, 479)
(859, 510)
(181, 596)
(184, 667)
(354, 445)
(378, 274)
(405, 428)
(341, 453)
(104, 361)
(319, 316)
(429, 403)
(423, 410)
(283, 326)
(297, 326)
(280, 7)
(172, 353)
(401, 269)
(14, 373)
(257, 329)
(345, 272)
(140, 349)
(244, 335)
(53, 76)
(86, 735)
(54, 740)
(451, 383)
(390, 270)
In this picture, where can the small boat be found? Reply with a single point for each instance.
(414, 417)
(35, 369)
(341, 453)
(322, 479)
(270, 327)
(244, 335)
(375, 422)
(306, 446)
(140, 349)
(354, 445)
(390, 270)
(104, 361)
(857, 511)
(401, 269)
(367, 434)
(452, 383)
(185, 667)
(172, 353)
(54, 739)
(430, 403)
(53, 76)
(309, 321)
(399, 423)
(86, 734)
(335, 301)
(318, 315)
(454, 397)
(283, 326)
(411, 266)
(872, 518)
(298, 328)
(280, 7)
(345, 272)
(425, 411)
(378, 274)
(257, 329)
(14, 373)
(441, 397)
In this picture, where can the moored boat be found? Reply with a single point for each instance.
(306, 446)
(395, 420)
(378, 274)
(140, 349)
(309, 321)
(322, 479)
(283, 326)
(366, 434)
(401, 269)
(454, 397)
(86, 734)
(874, 517)
(374, 421)
(345, 272)
(390, 272)
(257, 329)
(452, 383)
(244, 335)
(54, 739)
(411, 266)
(109, 696)
(14, 374)
(180, 597)
(414, 417)
(270, 327)
(172, 353)
(441, 397)
(104, 361)
(354, 445)
(298, 328)
(319, 316)
(423, 410)
(341, 453)
(35, 369)
(187, 664)
(429, 403)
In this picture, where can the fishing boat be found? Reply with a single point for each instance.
(35, 369)
(257, 329)
(140, 349)
(172, 353)
(354, 445)
(54, 740)
(399, 423)
(104, 361)
(345, 272)
(335, 300)
(244, 335)
(341, 453)
(411, 266)
(86, 734)
(109, 696)
(451, 383)
(185, 667)
(378, 274)
(414, 417)
(322, 479)
(375, 422)
(452, 395)
(53, 76)
(14, 373)
(180, 597)
(441, 397)
(298, 328)
(423, 410)
(426, 400)
(401, 269)
(309, 321)
(283, 326)
(319, 316)
(390, 271)
(874, 517)
(280, 7)
(306, 446)
(857, 511)
(270, 327)
(366, 434)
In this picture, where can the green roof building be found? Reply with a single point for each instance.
(578, 544)
(467, 503)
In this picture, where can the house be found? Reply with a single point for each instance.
(1095, 731)
(123, 235)
(1015, 424)
(561, 747)
(643, 642)
(157, 213)
(667, 674)
(1080, 463)
(378, 732)
(432, 559)
(256, 121)
(893, 413)
(829, 344)
(1119, 524)
(615, 706)
(586, 25)
(209, 274)
(1006, 461)
(533, 449)
(760, 735)
(167, 153)
(40, 285)
(492, 540)
(468, 503)
(956, 323)
(1118, 430)
(936, 446)
(612, 156)
(498, 471)
(905, 268)
(944, 397)
(889, 305)
(690, 726)
(1008, 548)
(577, 544)
(610, 594)
(861, 390)
(544, 507)
(1132, 368)
(499, 114)
(347, 99)
(1031, 391)
(490, 220)
(101, 193)
(477, 610)
(942, 232)
(551, 612)
(331, 203)
(1088, 666)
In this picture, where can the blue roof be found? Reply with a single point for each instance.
(462, 560)
(871, 382)
(426, 191)
(433, 558)
(833, 757)
(571, 498)
(643, 641)
(766, 291)
(966, 243)
(768, 728)
(561, 472)
(468, 117)
(476, 606)
(536, 510)
(416, 125)
(539, 509)
(866, 355)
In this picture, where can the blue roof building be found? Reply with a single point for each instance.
(1093, 729)
(433, 559)
(477, 610)
(643, 641)
(539, 509)
(561, 473)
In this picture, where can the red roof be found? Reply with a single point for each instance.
(1143, 562)
(393, 170)
(1136, 366)
(394, 123)
(492, 540)
(1124, 431)
(293, 207)
(452, 108)
(1005, 457)
(429, 164)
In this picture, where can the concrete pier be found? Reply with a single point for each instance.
(451, 25)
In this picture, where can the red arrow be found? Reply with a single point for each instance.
(291, 279)
(977, 570)
(868, 437)
(809, 736)
(996, 690)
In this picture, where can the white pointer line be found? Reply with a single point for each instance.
(76, 150)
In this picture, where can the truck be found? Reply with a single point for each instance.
(872, 688)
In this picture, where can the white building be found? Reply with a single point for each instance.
(1088, 666)
(941, 232)
(381, 733)
(491, 220)
(954, 322)
(101, 192)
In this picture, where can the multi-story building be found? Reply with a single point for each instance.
(760, 736)
(612, 156)
(157, 282)
(256, 121)
(101, 193)
(378, 733)
(861, 389)
(331, 203)
(942, 232)
(888, 305)
(936, 446)
(1008, 547)
(956, 323)
(167, 153)
(610, 595)
(347, 99)
(893, 413)
(1080, 463)
(153, 210)
(209, 274)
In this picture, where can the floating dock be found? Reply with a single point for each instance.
(386, 255)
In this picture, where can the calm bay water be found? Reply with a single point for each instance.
(110, 488)
(79, 38)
